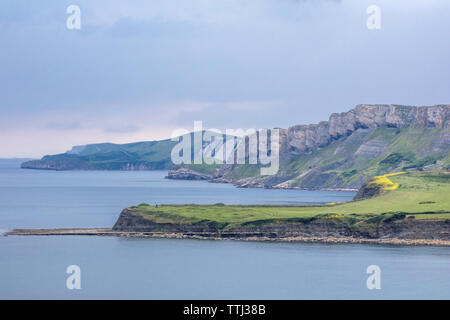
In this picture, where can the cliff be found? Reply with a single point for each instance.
(405, 206)
(303, 138)
(148, 155)
(321, 226)
(344, 151)
(340, 153)
(145, 155)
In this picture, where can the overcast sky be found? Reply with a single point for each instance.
(138, 69)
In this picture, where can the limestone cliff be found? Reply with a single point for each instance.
(344, 151)
(303, 138)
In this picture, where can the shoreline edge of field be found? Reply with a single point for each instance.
(251, 236)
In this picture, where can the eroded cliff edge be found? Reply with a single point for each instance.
(409, 206)
(344, 151)
(324, 226)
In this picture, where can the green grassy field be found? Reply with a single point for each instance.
(417, 195)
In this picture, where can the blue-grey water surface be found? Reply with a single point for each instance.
(129, 268)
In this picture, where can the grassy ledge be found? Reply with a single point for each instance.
(404, 195)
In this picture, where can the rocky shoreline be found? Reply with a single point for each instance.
(250, 236)
(334, 154)
(330, 155)
(319, 224)
(183, 173)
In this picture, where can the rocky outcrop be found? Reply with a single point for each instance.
(341, 153)
(129, 221)
(368, 190)
(55, 164)
(183, 173)
(303, 138)
(372, 148)
(323, 226)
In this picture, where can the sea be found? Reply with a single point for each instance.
(41, 267)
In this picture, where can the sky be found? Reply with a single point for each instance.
(137, 70)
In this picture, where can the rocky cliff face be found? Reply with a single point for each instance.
(130, 221)
(133, 222)
(344, 151)
(303, 138)
(340, 153)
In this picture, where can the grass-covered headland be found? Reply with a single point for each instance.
(410, 202)
(401, 208)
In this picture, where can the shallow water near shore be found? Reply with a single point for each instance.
(130, 268)
(84, 199)
(34, 267)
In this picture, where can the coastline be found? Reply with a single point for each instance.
(224, 181)
(249, 236)
(209, 180)
(382, 217)
(191, 175)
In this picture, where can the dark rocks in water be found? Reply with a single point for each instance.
(188, 174)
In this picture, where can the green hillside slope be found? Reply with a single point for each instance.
(109, 156)
(348, 161)
(403, 196)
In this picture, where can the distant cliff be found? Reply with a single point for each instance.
(152, 155)
(344, 151)
(146, 155)
(340, 153)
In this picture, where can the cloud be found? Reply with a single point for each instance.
(122, 128)
(63, 126)
(138, 69)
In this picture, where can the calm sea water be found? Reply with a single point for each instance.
(50, 199)
(35, 267)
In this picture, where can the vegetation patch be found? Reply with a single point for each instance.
(347, 174)
(416, 194)
(396, 158)
(204, 167)
(384, 182)
(421, 163)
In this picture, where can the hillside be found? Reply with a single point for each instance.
(147, 155)
(152, 155)
(407, 205)
(344, 151)
(340, 153)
